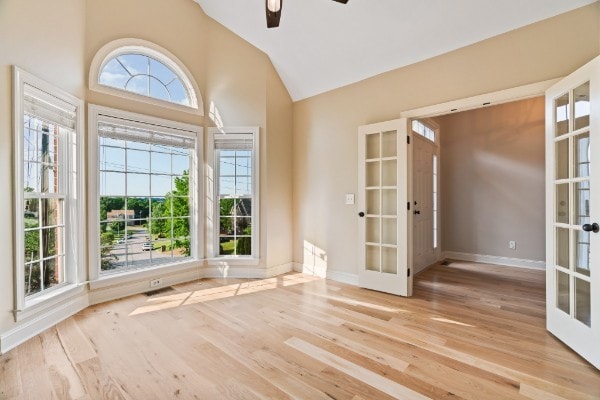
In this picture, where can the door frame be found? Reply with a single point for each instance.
(468, 103)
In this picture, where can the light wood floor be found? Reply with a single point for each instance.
(471, 331)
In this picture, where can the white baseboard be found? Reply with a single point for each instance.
(511, 262)
(28, 329)
(118, 291)
(251, 272)
(313, 270)
(343, 277)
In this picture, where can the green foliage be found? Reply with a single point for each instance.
(243, 246)
(117, 226)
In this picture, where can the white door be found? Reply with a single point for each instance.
(573, 211)
(424, 162)
(382, 200)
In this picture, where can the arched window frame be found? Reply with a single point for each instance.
(149, 49)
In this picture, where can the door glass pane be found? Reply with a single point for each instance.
(562, 292)
(562, 247)
(583, 310)
(373, 173)
(581, 155)
(372, 258)
(373, 146)
(562, 203)
(581, 97)
(561, 107)
(582, 252)
(373, 230)
(582, 203)
(373, 204)
(389, 173)
(389, 263)
(562, 159)
(389, 230)
(388, 144)
(389, 202)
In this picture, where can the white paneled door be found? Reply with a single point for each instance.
(383, 214)
(573, 211)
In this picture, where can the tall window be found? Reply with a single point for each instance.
(146, 189)
(47, 122)
(236, 194)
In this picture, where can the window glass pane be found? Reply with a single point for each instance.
(112, 159)
(159, 207)
(158, 90)
(243, 207)
(161, 185)
(30, 176)
(226, 226)
(113, 74)
(226, 186)
(138, 161)
(135, 64)
(243, 186)
(581, 96)
(161, 163)
(181, 206)
(227, 206)
(181, 161)
(139, 84)
(112, 184)
(561, 107)
(583, 309)
(138, 185)
(161, 72)
(227, 166)
(33, 281)
(243, 226)
(563, 292)
(178, 93)
(581, 156)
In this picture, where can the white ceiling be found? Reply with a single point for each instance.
(321, 45)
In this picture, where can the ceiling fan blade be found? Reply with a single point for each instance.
(273, 10)
(341, 1)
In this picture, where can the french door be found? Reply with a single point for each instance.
(383, 214)
(573, 211)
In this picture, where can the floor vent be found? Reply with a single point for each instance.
(159, 291)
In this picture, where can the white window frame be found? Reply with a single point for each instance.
(146, 48)
(213, 209)
(428, 123)
(99, 113)
(72, 161)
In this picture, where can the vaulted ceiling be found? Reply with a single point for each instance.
(322, 45)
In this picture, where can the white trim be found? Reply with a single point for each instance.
(343, 277)
(483, 100)
(72, 171)
(120, 289)
(496, 260)
(139, 46)
(236, 271)
(315, 270)
(25, 331)
(212, 206)
(97, 113)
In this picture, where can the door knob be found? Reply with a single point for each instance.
(591, 227)
(361, 214)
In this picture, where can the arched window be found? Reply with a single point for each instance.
(143, 71)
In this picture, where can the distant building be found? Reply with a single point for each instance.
(121, 215)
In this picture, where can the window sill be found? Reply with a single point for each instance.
(136, 275)
(42, 303)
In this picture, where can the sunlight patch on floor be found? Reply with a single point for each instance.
(221, 292)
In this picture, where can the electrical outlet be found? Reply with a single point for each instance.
(512, 245)
(349, 198)
(155, 282)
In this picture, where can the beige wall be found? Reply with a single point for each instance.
(325, 126)
(47, 42)
(492, 180)
(57, 41)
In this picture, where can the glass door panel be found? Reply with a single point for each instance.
(573, 280)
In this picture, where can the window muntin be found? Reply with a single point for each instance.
(423, 130)
(144, 197)
(235, 201)
(146, 76)
(44, 194)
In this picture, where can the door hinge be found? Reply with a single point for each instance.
(408, 140)
(408, 272)
(408, 206)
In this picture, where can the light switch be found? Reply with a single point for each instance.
(349, 198)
